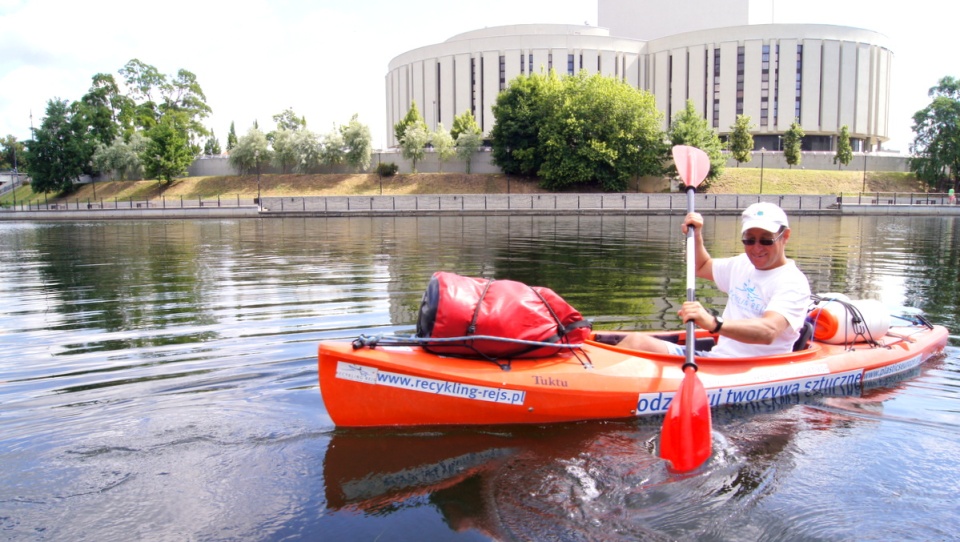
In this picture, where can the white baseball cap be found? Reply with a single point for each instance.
(766, 216)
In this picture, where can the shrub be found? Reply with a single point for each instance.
(387, 169)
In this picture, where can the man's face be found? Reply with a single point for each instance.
(763, 256)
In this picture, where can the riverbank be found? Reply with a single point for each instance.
(247, 187)
(486, 205)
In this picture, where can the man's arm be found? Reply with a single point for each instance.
(704, 262)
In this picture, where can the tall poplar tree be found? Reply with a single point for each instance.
(792, 141)
(691, 128)
(741, 141)
(844, 151)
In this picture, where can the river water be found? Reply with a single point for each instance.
(158, 382)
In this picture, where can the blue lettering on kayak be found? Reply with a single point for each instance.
(371, 375)
(846, 383)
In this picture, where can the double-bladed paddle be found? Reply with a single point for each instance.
(685, 440)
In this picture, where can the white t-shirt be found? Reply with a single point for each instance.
(752, 292)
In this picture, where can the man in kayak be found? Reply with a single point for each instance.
(768, 295)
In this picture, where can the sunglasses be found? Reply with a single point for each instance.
(765, 242)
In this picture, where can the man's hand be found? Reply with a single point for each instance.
(694, 311)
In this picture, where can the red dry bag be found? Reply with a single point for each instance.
(457, 306)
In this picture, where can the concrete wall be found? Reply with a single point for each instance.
(824, 161)
(482, 162)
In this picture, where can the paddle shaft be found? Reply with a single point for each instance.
(691, 278)
(685, 440)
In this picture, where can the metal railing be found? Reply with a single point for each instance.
(898, 198)
(532, 203)
(498, 203)
(163, 202)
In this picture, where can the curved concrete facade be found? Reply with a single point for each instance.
(468, 71)
(824, 76)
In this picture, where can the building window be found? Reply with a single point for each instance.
(670, 88)
(473, 87)
(716, 88)
(523, 65)
(776, 84)
(480, 118)
(437, 111)
(530, 63)
(765, 87)
(796, 107)
(741, 56)
(570, 65)
(549, 61)
(706, 77)
(503, 72)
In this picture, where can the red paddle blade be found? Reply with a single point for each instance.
(685, 439)
(693, 164)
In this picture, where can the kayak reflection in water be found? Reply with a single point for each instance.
(768, 295)
(566, 481)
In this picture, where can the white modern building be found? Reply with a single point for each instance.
(718, 53)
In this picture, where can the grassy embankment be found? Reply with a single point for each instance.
(733, 181)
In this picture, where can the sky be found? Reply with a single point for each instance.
(328, 60)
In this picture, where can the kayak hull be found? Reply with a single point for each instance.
(408, 386)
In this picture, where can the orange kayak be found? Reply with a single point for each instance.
(404, 385)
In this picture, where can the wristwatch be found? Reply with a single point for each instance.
(719, 320)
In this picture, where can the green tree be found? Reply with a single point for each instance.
(288, 120)
(519, 112)
(606, 133)
(358, 144)
(412, 118)
(468, 143)
(463, 123)
(844, 151)
(741, 141)
(413, 146)
(231, 138)
(212, 146)
(59, 151)
(792, 141)
(97, 109)
(443, 145)
(252, 150)
(307, 145)
(168, 152)
(691, 128)
(120, 157)
(936, 143)
(12, 154)
(155, 95)
(333, 148)
(285, 153)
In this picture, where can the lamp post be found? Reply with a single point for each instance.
(762, 152)
(159, 180)
(256, 157)
(16, 179)
(864, 189)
